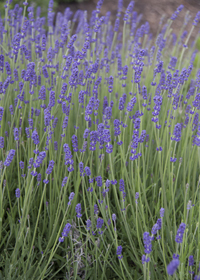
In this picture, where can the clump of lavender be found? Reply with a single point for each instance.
(84, 106)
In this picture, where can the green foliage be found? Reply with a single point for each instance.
(198, 44)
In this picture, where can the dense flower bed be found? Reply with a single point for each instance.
(99, 147)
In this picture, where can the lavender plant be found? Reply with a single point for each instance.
(99, 146)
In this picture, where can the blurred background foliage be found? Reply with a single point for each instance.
(35, 3)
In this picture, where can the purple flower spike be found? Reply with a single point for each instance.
(121, 185)
(175, 14)
(180, 232)
(145, 259)
(72, 194)
(65, 232)
(191, 260)
(119, 252)
(100, 222)
(147, 243)
(1, 142)
(17, 193)
(177, 132)
(197, 18)
(162, 211)
(136, 197)
(114, 217)
(21, 164)
(50, 167)
(64, 181)
(172, 267)
(99, 181)
(78, 210)
(9, 158)
(96, 209)
(88, 224)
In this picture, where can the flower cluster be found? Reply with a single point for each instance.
(65, 232)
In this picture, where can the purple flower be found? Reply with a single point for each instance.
(11, 109)
(96, 209)
(55, 145)
(100, 222)
(121, 104)
(61, 239)
(117, 22)
(45, 181)
(86, 133)
(177, 132)
(110, 82)
(45, 72)
(66, 231)
(196, 19)
(145, 259)
(39, 178)
(64, 181)
(1, 113)
(42, 93)
(121, 185)
(191, 260)
(154, 229)
(1, 62)
(147, 243)
(128, 11)
(180, 232)
(81, 168)
(113, 182)
(99, 181)
(1, 142)
(175, 14)
(175, 256)
(50, 167)
(21, 164)
(78, 210)
(65, 122)
(35, 137)
(114, 217)
(71, 41)
(88, 224)
(17, 193)
(8, 69)
(119, 252)
(162, 211)
(173, 159)
(172, 266)
(137, 123)
(159, 223)
(136, 197)
(87, 171)
(9, 157)
(71, 196)
(31, 161)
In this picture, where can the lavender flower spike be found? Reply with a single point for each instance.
(172, 266)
